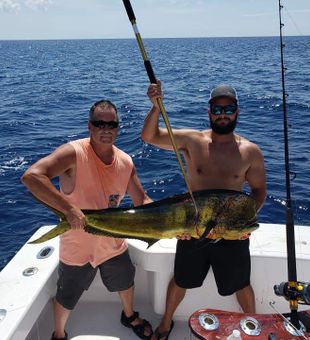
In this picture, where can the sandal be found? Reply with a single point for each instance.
(65, 338)
(138, 329)
(164, 335)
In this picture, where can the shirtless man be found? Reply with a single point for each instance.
(93, 174)
(216, 159)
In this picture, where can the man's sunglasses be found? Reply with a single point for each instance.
(101, 124)
(228, 110)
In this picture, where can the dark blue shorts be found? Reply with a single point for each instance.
(117, 274)
(230, 261)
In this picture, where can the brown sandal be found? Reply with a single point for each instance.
(65, 338)
(163, 335)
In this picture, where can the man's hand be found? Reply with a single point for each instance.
(154, 92)
(184, 237)
(76, 218)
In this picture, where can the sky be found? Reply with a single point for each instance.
(101, 19)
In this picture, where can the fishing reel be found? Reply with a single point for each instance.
(300, 293)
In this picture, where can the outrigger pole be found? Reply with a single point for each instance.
(153, 80)
(295, 292)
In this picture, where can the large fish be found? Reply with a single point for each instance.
(224, 214)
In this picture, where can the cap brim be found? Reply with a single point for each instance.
(223, 96)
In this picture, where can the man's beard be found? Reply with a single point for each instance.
(223, 129)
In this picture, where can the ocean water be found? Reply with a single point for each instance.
(47, 88)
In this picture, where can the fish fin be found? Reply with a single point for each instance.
(97, 231)
(209, 226)
(61, 227)
(100, 232)
(149, 241)
(252, 227)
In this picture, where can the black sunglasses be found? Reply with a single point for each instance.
(101, 124)
(228, 110)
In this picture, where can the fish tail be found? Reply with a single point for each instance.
(61, 227)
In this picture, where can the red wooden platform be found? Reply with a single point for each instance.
(228, 321)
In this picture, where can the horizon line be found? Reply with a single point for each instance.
(133, 38)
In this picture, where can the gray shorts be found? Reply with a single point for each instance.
(117, 274)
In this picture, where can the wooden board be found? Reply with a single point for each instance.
(228, 321)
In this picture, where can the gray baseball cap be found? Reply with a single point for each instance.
(223, 90)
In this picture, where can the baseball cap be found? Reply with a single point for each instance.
(223, 90)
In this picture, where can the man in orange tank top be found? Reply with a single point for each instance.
(93, 174)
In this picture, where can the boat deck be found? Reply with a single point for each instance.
(90, 319)
(26, 299)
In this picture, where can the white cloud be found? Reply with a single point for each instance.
(17, 5)
(9, 6)
(38, 4)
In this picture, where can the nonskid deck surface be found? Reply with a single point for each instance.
(96, 318)
(96, 314)
(103, 318)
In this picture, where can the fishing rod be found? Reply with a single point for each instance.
(295, 292)
(153, 80)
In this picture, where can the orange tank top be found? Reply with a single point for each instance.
(97, 186)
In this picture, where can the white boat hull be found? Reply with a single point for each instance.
(27, 299)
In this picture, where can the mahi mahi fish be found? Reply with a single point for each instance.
(226, 214)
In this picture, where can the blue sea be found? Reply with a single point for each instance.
(47, 88)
